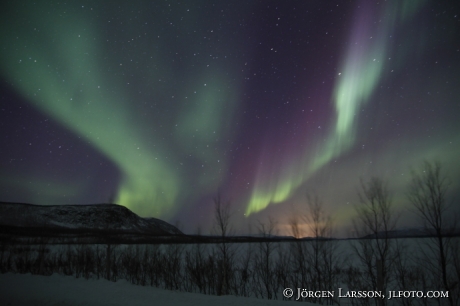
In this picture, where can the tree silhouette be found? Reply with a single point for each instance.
(428, 195)
(375, 220)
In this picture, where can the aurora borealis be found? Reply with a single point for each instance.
(160, 105)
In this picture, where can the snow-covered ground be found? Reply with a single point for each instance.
(27, 289)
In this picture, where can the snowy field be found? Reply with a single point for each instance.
(192, 274)
(26, 289)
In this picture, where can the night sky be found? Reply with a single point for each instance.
(161, 105)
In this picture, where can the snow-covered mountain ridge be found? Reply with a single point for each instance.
(110, 217)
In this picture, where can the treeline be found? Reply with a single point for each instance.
(29, 235)
(260, 270)
(265, 268)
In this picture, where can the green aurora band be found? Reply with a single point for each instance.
(360, 74)
(62, 69)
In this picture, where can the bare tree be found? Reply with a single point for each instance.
(428, 195)
(245, 271)
(222, 227)
(322, 255)
(375, 220)
(298, 251)
(294, 224)
(195, 263)
(264, 262)
(315, 262)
